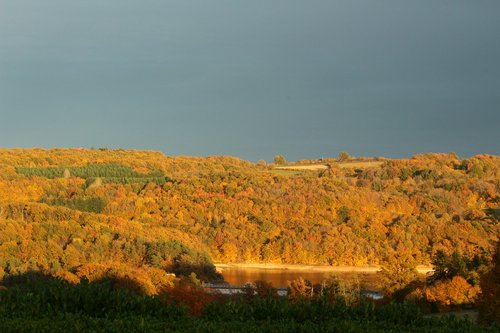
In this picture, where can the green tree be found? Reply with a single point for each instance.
(343, 214)
(447, 267)
(344, 156)
(346, 290)
(280, 160)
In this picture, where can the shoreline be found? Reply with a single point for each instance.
(421, 269)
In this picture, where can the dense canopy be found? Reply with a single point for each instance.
(64, 209)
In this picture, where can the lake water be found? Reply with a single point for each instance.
(279, 277)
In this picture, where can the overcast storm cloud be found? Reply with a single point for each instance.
(252, 78)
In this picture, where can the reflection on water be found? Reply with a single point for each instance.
(279, 277)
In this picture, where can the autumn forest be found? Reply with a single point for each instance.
(84, 214)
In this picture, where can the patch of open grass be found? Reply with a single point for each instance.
(285, 172)
(359, 165)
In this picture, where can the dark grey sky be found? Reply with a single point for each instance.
(252, 78)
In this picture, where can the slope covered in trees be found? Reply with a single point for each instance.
(64, 209)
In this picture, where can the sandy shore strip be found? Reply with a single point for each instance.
(422, 269)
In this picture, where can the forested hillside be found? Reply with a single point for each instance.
(75, 212)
